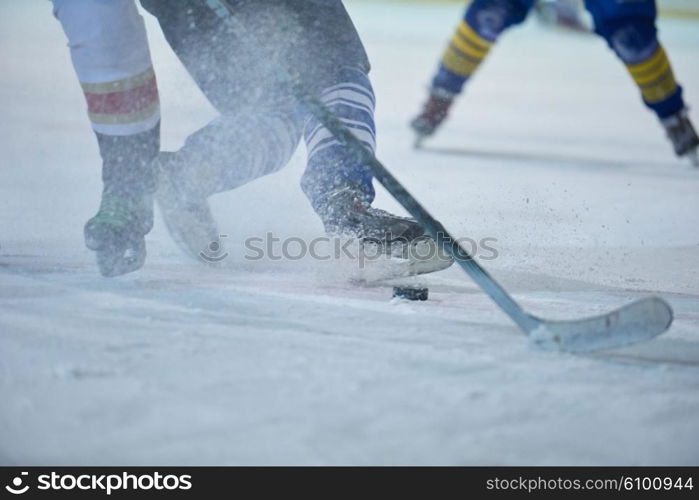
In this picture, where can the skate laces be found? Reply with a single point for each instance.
(114, 209)
(121, 212)
(346, 213)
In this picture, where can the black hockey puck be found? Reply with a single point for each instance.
(410, 292)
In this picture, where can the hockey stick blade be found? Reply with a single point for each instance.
(641, 320)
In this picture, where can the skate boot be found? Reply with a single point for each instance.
(117, 232)
(683, 136)
(186, 213)
(345, 213)
(433, 114)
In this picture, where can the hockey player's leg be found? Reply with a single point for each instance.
(629, 29)
(116, 233)
(256, 133)
(339, 188)
(110, 54)
(480, 27)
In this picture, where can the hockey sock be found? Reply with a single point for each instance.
(634, 40)
(330, 164)
(482, 24)
(463, 55)
(655, 78)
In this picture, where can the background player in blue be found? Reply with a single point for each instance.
(258, 130)
(629, 28)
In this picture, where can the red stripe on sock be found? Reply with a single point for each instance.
(128, 101)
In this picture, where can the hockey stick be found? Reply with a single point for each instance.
(641, 320)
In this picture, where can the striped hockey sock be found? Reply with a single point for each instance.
(465, 51)
(330, 165)
(654, 77)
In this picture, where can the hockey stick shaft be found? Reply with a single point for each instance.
(434, 228)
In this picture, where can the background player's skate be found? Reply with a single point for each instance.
(682, 135)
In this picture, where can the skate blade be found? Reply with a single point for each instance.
(200, 244)
(422, 256)
(112, 263)
(694, 157)
(194, 233)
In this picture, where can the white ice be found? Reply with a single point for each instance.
(280, 362)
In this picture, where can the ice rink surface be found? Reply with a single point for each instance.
(550, 152)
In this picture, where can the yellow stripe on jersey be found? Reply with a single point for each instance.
(654, 77)
(466, 51)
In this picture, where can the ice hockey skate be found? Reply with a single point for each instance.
(116, 233)
(389, 246)
(680, 131)
(186, 213)
(434, 112)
